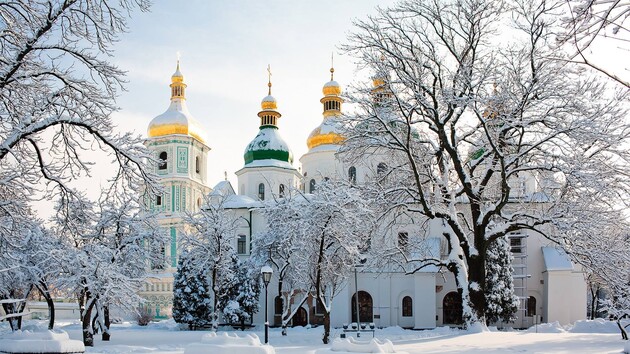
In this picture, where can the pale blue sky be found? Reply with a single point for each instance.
(225, 47)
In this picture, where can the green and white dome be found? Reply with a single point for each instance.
(268, 145)
(268, 148)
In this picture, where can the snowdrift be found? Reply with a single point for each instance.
(44, 341)
(351, 345)
(229, 344)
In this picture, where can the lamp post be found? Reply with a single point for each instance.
(266, 272)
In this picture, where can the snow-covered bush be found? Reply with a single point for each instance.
(143, 316)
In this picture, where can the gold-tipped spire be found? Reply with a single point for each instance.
(269, 82)
(331, 88)
(269, 115)
(269, 102)
(178, 87)
(332, 65)
(326, 133)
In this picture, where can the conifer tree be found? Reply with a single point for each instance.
(502, 304)
(192, 304)
(241, 296)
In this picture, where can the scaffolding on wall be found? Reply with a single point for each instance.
(518, 247)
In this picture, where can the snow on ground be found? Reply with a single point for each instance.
(165, 338)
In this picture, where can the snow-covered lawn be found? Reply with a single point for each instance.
(163, 337)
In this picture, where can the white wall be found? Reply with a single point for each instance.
(564, 297)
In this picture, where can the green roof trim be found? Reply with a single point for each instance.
(280, 155)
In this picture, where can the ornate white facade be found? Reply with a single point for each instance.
(422, 300)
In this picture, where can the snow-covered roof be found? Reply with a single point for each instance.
(556, 259)
(268, 138)
(176, 120)
(223, 188)
(269, 98)
(240, 202)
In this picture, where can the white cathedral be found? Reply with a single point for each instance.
(550, 287)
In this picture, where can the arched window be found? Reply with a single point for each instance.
(311, 186)
(531, 306)
(366, 310)
(241, 245)
(281, 190)
(352, 174)
(199, 203)
(407, 306)
(197, 164)
(261, 191)
(163, 163)
(403, 241)
(381, 169)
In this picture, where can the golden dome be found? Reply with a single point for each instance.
(268, 103)
(378, 82)
(331, 88)
(317, 138)
(177, 77)
(177, 119)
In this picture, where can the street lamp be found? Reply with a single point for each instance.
(266, 272)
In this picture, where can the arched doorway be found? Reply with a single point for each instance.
(366, 310)
(300, 318)
(452, 308)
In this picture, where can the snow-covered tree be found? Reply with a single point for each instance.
(192, 304)
(500, 297)
(281, 244)
(28, 265)
(328, 231)
(588, 23)
(476, 114)
(601, 243)
(210, 239)
(241, 300)
(104, 256)
(57, 92)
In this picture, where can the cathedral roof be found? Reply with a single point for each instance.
(268, 144)
(177, 119)
(268, 148)
(328, 135)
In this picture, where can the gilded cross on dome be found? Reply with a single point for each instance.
(269, 71)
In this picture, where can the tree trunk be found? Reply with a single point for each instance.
(86, 321)
(476, 285)
(43, 289)
(624, 334)
(105, 336)
(326, 338)
(9, 309)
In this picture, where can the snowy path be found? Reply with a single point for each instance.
(162, 339)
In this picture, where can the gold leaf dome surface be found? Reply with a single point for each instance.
(177, 119)
(269, 102)
(326, 134)
(331, 88)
